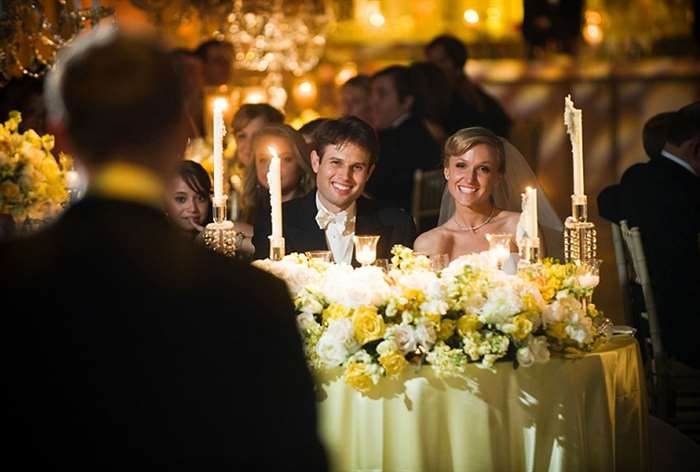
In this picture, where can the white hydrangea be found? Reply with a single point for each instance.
(354, 287)
(502, 303)
(293, 270)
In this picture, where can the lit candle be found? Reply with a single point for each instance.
(572, 120)
(588, 280)
(218, 157)
(273, 181)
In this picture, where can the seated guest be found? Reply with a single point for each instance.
(190, 66)
(354, 98)
(653, 140)
(248, 120)
(307, 131)
(484, 176)
(470, 105)
(405, 144)
(296, 176)
(327, 219)
(217, 61)
(143, 348)
(434, 90)
(188, 198)
(662, 198)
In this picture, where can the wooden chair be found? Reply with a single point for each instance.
(674, 388)
(427, 196)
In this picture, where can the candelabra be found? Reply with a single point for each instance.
(220, 235)
(580, 238)
(529, 249)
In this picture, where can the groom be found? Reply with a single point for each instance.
(344, 158)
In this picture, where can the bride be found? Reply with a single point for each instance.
(485, 175)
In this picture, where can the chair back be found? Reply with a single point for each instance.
(428, 186)
(633, 241)
(625, 273)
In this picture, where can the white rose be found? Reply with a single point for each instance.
(540, 349)
(404, 338)
(386, 347)
(331, 351)
(425, 335)
(306, 321)
(525, 356)
(342, 331)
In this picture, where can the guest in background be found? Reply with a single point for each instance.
(327, 219)
(653, 141)
(307, 131)
(405, 143)
(143, 348)
(297, 178)
(663, 200)
(470, 105)
(217, 61)
(249, 119)
(432, 85)
(191, 69)
(188, 198)
(354, 98)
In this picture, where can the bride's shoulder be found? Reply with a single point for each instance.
(430, 238)
(508, 219)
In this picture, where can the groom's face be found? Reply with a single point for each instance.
(341, 174)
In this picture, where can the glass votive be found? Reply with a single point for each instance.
(499, 246)
(439, 261)
(366, 248)
(589, 273)
(325, 256)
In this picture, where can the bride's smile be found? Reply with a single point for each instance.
(473, 175)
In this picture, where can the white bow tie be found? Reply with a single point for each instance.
(324, 218)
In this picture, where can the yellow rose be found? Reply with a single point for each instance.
(447, 329)
(335, 311)
(467, 324)
(357, 377)
(592, 310)
(433, 318)
(367, 324)
(393, 363)
(523, 326)
(9, 190)
(557, 330)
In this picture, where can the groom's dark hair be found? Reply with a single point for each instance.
(345, 130)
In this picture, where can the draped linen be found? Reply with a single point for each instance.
(570, 414)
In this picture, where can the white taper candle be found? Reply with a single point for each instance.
(218, 154)
(273, 180)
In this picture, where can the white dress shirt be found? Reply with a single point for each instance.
(339, 229)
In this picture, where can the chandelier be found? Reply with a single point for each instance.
(277, 35)
(30, 39)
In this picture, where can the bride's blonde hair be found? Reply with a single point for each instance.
(465, 139)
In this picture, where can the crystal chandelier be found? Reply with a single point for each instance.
(29, 39)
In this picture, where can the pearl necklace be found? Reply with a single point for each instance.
(474, 228)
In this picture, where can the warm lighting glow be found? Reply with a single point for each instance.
(305, 93)
(376, 19)
(593, 34)
(254, 95)
(593, 17)
(347, 72)
(305, 88)
(471, 16)
(220, 104)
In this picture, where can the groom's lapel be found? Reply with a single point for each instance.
(304, 228)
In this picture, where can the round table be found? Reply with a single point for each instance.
(569, 414)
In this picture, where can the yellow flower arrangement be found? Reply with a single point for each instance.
(367, 324)
(394, 364)
(32, 181)
(357, 376)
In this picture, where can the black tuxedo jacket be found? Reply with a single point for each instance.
(663, 200)
(301, 232)
(402, 150)
(127, 345)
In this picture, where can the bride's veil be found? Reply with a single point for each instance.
(507, 196)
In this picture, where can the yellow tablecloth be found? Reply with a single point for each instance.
(587, 414)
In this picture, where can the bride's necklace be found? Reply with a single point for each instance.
(474, 228)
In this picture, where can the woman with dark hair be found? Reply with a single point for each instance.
(188, 200)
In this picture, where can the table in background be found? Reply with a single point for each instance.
(581, 414)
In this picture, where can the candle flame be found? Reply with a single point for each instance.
(273, 151)
(220, 104)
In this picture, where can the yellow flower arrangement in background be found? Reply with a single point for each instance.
(32, 181)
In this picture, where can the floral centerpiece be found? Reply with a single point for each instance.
(32, 180)
(373, 324)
